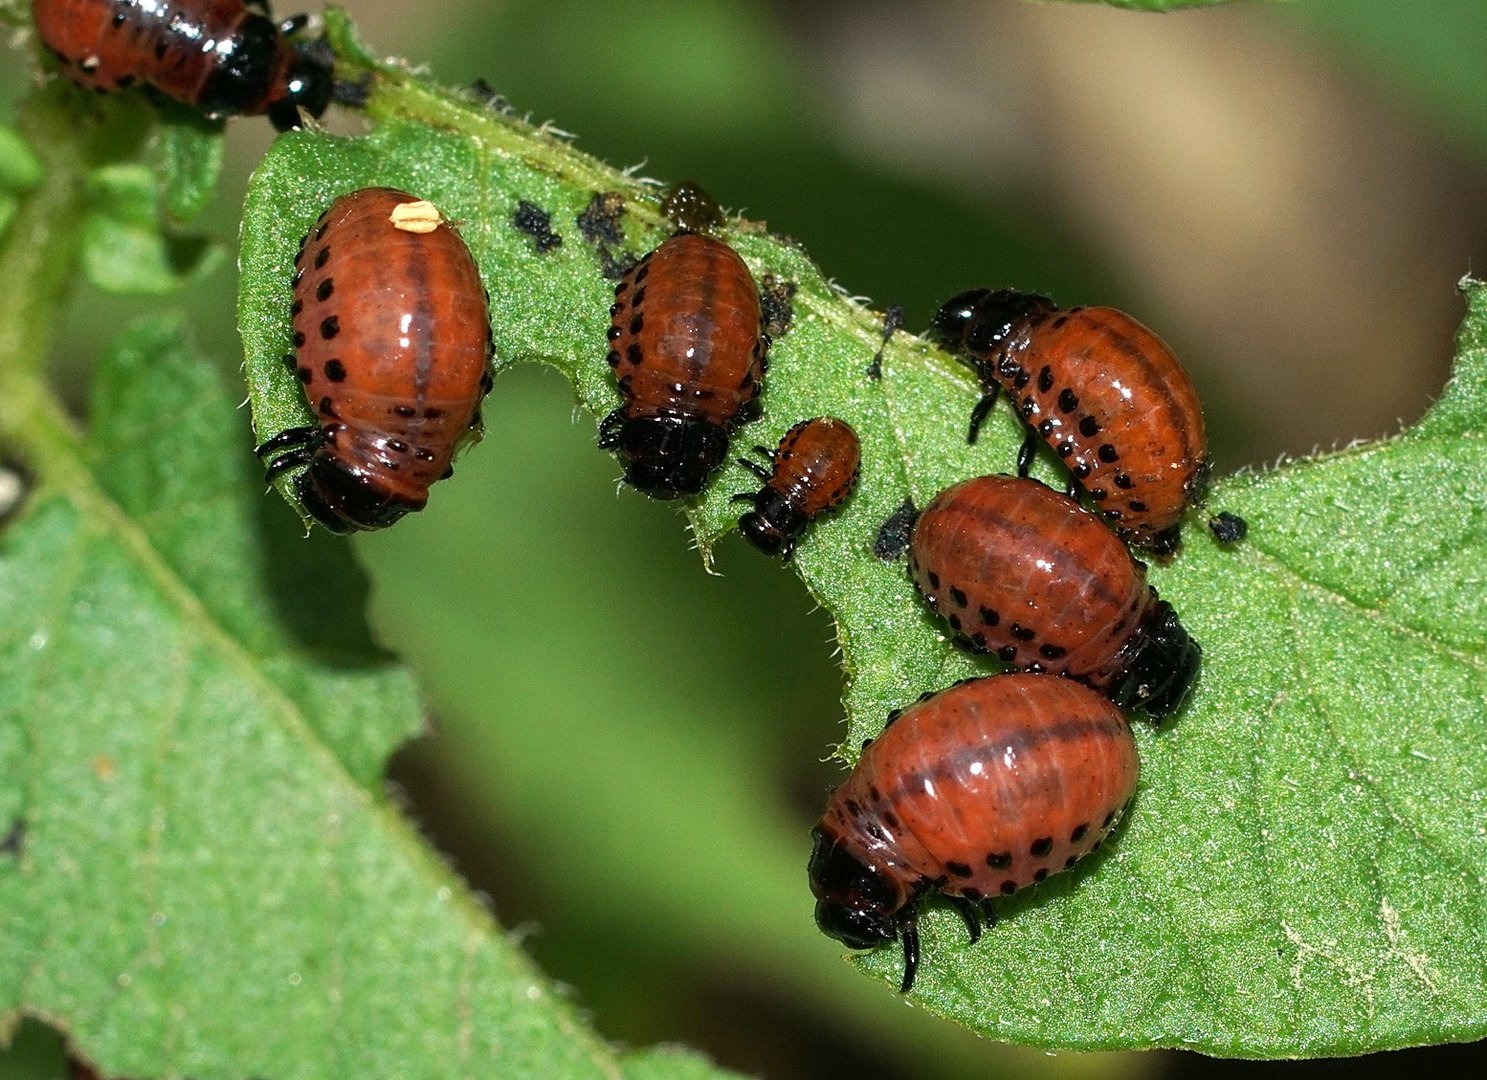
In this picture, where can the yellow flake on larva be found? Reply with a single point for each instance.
(416, 217)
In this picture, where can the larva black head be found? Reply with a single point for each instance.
(1163, 663)
(667, 457)
(309, 85)
(980, 320)
(854, 903)
(344, 500)
(773, 524)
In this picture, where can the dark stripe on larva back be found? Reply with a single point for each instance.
(424, 332)
(1153, 380)
(1029, 537)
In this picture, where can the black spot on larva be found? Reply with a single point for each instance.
(305, 375)
(322, 257)
(1009, 887)
(1068, 401)
(1082, 470)
(1065, 448)
(433, 413)
(612, 358)
(321, 227)
(893, 535)
(536, 222)
(423, 454)
(1058, 322)
(614, 332)
(326, 287)
(297, 278)
(1097, 845)
(330, 326)
(637, 324)
(1045, 379)
(958, 596)
(405, 411)
(634, 353)
(1007, 653)
(854, 807)
(335, 371)
(1041, 874)
(299, 339)
(1070, 861)
(1109, 821)
(1078, 833)
(327, 408)
(959, 869)
(1122, 480)
(954, 621)
(1098, 494)
(990, 617)
(978, 642)
(1137, 506)
(999, 860)
(1045, 427)
(639, 298)
(1052, 652)
(1041, 847)
(934, 580)
(973, 895)
(397, 446)
(296, 307)
(1023, 633)
(161, 47)
(1089, 427)
(121, 16)
(1107, 453)
(1021, 378)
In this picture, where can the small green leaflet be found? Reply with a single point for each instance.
(203, 877)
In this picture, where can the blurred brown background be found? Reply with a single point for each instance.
(1289, 194)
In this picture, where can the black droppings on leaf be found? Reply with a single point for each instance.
(775, 298)
(536, 223)
(1228, 528)
(487, 96)
(893, 535)
(600, 222)
(893, 318)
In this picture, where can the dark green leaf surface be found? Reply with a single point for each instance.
(1301, 872)
(126, 249)
(205, 879)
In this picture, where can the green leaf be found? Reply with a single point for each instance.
(204, 877)
(20, 169)
(1300, 872)
(190, 160)
(126, 248)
